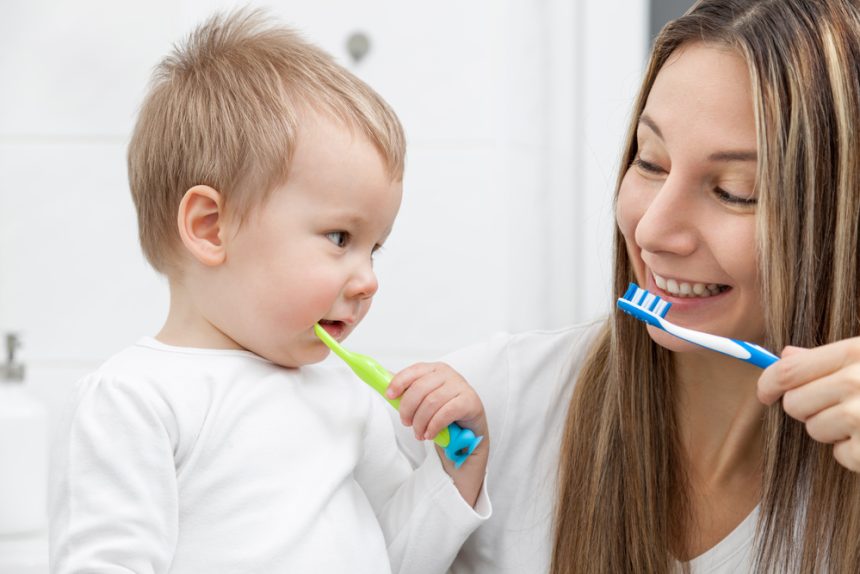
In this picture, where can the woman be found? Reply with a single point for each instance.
(618, 448)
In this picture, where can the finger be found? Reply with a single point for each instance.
(791, 350)
(798, 368)
(414, 395)
(808, 400)
(847, 453)
(403, 379)
(836, 423)
(430, 406)
(447, 414)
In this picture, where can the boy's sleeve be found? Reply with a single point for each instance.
(423, 517)
(114, 502)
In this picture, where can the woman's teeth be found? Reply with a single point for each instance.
(683, 289)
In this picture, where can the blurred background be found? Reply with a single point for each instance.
(514, 110)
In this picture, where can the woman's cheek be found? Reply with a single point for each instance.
(626, 211)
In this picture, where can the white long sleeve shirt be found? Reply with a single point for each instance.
(525, 382)
(192, 460)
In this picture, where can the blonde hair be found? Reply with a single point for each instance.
(623, 501)
(224, 109)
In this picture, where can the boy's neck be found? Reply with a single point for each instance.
(186, 326)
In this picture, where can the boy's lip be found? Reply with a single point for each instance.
(334, 328)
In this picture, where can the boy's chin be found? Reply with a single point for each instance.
(300, 359)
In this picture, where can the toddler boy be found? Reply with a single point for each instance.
(265, 176)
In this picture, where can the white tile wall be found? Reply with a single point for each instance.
(514, 111)
(73, 280)
(506, 219)
(507, 189)
(78, 68)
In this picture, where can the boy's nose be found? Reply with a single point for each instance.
(363, 284)
(668, 221)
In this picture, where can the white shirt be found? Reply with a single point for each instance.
(525, 382)
(193, 460)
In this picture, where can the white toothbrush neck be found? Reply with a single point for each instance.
(714, 342)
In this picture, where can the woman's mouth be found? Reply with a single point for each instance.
(688, 289)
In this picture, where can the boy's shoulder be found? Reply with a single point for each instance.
(149, 366)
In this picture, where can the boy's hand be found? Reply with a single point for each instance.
(432, 396)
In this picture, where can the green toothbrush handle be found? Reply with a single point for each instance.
(457, 441)
(378, 378)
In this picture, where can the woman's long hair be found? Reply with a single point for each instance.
(622, 504)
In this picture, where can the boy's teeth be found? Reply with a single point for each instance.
(684, 289)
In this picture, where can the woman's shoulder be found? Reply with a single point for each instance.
(532, 371)
(529, 350)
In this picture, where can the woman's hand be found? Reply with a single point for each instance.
(821, 388)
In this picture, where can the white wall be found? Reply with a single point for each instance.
(514, 110)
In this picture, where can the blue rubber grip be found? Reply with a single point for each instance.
(463, 443)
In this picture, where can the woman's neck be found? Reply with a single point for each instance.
(720, 422)
(720, 417)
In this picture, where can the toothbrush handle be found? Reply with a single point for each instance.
(743, 350)
(457, 442)
(759, 356)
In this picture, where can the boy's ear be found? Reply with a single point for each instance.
(201, 224)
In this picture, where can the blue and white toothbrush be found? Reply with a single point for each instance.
(651, 309)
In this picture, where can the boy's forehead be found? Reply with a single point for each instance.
(318, 127)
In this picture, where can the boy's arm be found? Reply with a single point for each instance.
(114, 501)
(423, 516)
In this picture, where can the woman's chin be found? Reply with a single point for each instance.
(671, 342)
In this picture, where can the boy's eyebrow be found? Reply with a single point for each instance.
(731, 155)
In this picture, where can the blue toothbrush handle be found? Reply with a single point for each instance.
(759, 356)
(462, 443)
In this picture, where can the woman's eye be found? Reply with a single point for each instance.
(733, 199)
(339, 238)
(647, 166)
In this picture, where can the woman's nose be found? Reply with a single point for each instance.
(669, 220)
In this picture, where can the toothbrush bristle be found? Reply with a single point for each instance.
(645, 300)
(631, 289)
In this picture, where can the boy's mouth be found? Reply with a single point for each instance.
(334, 328)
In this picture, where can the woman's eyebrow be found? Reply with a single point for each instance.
(644, 119)
(733, 156)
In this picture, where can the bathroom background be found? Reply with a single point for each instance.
(514, 112)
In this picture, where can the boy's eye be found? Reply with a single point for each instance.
(339, 238)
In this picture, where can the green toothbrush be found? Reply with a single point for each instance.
(458, 442)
